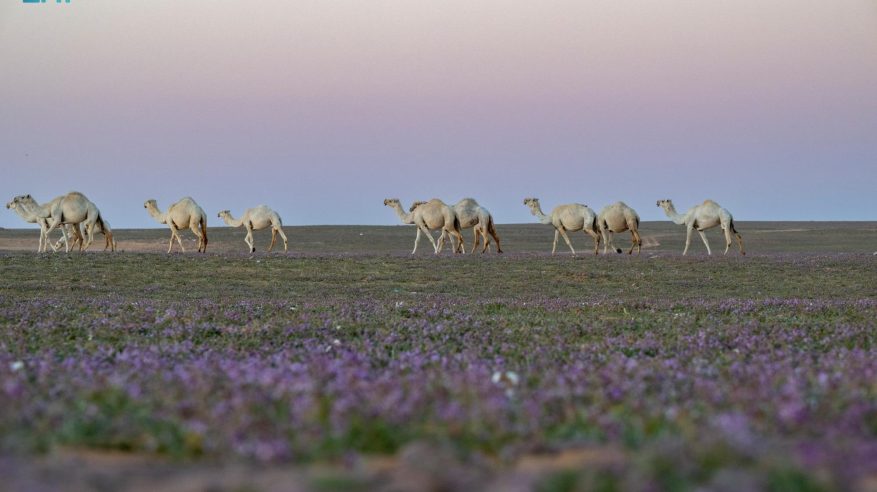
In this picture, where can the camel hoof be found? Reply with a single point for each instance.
(618, 250)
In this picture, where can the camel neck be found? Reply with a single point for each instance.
(536, 209)
(674, 216)
(405, 218)
(156, 214)
(229, 220)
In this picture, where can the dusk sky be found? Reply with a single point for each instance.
(323, 108)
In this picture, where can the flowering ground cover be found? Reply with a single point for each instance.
(669, 373)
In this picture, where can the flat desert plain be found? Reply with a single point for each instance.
(349, 364)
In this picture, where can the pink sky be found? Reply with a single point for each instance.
(323, 108)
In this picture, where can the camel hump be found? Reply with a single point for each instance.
(416, 204)
(710, 202)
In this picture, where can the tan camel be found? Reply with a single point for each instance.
(471, 214)
(618, 217)
(256, 219)
(72, 208)
(702, 217)
(570, 217)
(180, 215)
(428, 216)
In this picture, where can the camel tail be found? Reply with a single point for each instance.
(204, 232)
(491, 229)
(738, 236)
(110, 242)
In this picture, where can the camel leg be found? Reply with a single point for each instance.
(554, 245)
(705, 242)
(636, 241)
(174, 234)
(459, 236)
(78, 238)
(687, 240)
(476, 239)
(568, 242)
(249, 240)
(727, 231)
(416, 241)
(62, 239)
(492, 232)
(435, 247)
(52, 224)
(596, 237)
(193, 226)
(89, 233)
(441, 243)
(283, 236)
(273, 239)
(486, 240)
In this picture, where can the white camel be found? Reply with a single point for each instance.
(615, 218)
(569, 217)
(18, 206)
(428, 216)
(181, 215)
(702, 217)
(73, 208)
(473, 215)
(256, 219)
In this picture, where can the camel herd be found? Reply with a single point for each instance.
(571, 217)
(77, 217)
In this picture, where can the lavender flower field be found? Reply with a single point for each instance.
(339, 371)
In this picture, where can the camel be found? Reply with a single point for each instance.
(28, 215)
(180, 215)
(256, 219)
(428, 216)
(569, 217)
(618, 217)
(471, 214)
(26, 207)
(102, 226)
(72, 208)
(702, 217)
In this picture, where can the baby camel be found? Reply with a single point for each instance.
(256, 219)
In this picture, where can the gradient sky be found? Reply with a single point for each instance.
(322, 108)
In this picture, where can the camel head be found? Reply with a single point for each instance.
(25, 200)
(533, 203)
(223, 213)
(151, 202)
(415, 205)
(665, 204)
(391, 202)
